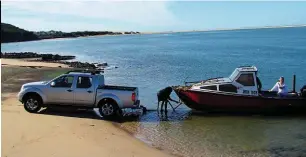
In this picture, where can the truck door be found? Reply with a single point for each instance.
(84, 93)
(61, 90)
(246, 84)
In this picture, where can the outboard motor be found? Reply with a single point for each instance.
(303, 91)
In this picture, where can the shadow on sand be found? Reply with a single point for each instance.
(157, 116)
(70, 112)
(149, 116)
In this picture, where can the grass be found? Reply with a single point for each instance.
(54, 73)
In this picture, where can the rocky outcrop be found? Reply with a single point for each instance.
(51, 58)
(131, 32)
(19, 55)
(44, 57)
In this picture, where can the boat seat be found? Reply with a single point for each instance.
(268, 94)
(274, 94)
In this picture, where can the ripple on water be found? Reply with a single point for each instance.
(185, 134)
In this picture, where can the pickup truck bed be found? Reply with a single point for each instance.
(118, 87)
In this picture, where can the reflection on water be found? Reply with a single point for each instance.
(187, 134)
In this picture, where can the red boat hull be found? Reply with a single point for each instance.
(208, 101)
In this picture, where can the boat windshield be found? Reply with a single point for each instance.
(234, 74)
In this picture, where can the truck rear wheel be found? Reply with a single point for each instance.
(32, 103)
(108, 108)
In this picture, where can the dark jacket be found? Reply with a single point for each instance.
(164, 94)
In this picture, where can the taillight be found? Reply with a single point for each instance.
(133, 97)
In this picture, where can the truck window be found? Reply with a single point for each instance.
(84, 82)
(246, 80)
(64, 82)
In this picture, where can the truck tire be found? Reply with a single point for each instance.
(32, 103)
(108, 109)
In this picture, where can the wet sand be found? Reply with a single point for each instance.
(58, 133)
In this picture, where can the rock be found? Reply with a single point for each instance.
(47, 57)
(56, 57)
(103, 64)
(80, 65)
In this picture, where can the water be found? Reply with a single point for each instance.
(186, 134)
(152, 62)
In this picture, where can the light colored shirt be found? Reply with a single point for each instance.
(280, 88)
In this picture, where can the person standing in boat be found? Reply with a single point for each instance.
(280, 87)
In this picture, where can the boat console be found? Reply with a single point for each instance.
(242, 81)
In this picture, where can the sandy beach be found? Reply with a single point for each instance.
(57, 133)
(24, 62)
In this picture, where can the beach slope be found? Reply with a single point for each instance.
(59, 133)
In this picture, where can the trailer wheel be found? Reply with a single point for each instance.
(108, 108)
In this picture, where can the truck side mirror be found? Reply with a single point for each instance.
(52, 84)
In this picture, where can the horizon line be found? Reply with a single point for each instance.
(182, 31)
(229, 29)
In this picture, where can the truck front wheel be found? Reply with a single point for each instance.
(32, 103)
(108, 108)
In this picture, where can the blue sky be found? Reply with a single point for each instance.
(150, 16)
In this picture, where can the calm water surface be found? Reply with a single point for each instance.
(152, 62)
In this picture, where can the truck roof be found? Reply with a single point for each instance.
(78, 73)
(85, 72)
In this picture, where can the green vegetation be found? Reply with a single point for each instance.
(52, 74)
(10, 33)
(59, 34)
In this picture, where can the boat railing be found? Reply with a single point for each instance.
(194, 82)
(246, 66)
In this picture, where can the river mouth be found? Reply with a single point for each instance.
(184, 133)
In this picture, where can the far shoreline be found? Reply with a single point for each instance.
(71, 38)
(229, 29)
(170, 32)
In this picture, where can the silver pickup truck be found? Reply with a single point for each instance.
(79, 89)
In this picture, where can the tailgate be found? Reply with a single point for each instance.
(128, 95)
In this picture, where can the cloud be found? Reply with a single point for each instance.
(40, 24)
(137, 12)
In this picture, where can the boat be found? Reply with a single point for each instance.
(240, 92)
